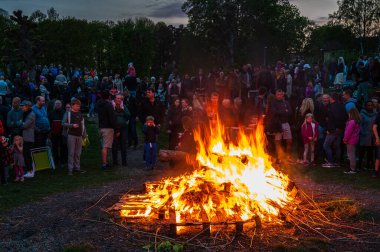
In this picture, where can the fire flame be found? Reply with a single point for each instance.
(235, 180)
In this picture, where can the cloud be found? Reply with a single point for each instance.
(321, 20)
(169, 10)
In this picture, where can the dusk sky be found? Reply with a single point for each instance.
(168, 11)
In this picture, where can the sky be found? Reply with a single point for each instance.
(168, 11)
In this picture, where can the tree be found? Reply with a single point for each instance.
(329, 37)
(37, 16)
(234, 27)
(20, 46)
(361, 16)
(52, 14)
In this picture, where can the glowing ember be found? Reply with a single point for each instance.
(234, 182)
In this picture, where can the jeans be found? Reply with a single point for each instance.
(120, 143)
(150, 151)
(333, 140)
(132, 132)
(91, 109)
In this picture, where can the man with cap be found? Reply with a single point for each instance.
(27, 126)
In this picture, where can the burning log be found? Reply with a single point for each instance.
(232, 182)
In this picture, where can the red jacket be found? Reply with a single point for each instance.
(309, 130)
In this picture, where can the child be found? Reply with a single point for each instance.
(18, 158)
(309, 131)
(351, 137)
(6, 159)
(150, 131)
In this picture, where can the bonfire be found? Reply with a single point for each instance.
(233, 181)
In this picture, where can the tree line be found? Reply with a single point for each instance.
(219, 33)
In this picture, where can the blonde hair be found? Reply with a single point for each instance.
(353, 114)
(149, 118)
(18, 137)
(307, 104)
(307, 116)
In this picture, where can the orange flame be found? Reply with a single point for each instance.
(236, 181)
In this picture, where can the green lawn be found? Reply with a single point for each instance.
(361, 180)
(55, 181)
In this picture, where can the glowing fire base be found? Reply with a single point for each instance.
(233, 182)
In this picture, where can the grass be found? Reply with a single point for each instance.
(55, 181)
(49, 182)
(361, 180)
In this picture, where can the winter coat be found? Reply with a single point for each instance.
(42, 120)
(350, 104)
(351, 134)
(14, 116)
(28, 125)
(366, 133)
(309, 130)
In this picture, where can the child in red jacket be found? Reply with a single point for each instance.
(309, 130)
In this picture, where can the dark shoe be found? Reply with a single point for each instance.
(375, 174)
(79, 171)
(105, 168)
(124, 164)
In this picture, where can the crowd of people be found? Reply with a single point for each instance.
(323, 109)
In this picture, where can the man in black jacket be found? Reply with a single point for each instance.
(280, 113)
(107, 125)
(151, 107)
(336, 119)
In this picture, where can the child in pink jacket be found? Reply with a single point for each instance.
(309, 131)
(351, 137)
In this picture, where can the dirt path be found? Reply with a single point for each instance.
(77, 218)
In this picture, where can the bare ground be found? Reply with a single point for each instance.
(77, 220)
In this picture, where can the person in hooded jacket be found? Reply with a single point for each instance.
(366, 138)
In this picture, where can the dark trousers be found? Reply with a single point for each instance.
(40, 139)
(120, 143)
(132, 132)
(27, 155)
(4, 174)
(366, 150)
(58, 149)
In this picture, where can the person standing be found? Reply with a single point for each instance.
(150, 131)
(55, 119)
(73, 122)
(280, 114)
(14, 118)
(366, 144)
(151, 107)
(351, 138)
(336, 118)
(107, 126)
(131, 104)
(42, 128)
(28, 126)
(309, 131)
(120, 138)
